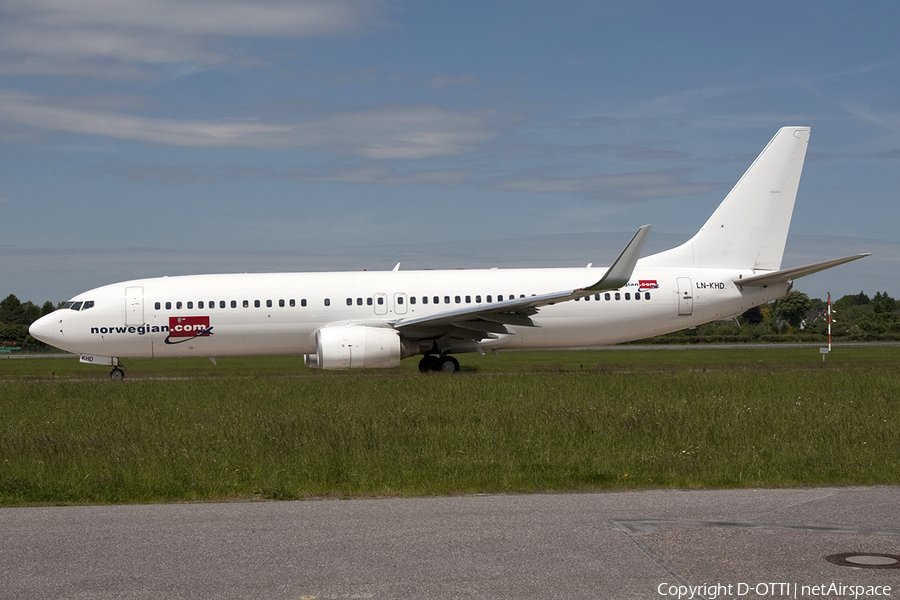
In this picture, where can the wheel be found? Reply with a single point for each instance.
(429, 363)
(117, 374)
(449, 364)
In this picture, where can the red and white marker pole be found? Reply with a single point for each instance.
(825, 351)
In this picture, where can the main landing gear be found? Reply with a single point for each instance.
(438, 364)
(117, 374)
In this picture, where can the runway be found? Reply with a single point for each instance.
(654, 544)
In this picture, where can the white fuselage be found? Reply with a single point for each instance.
(280, 313)
(375, 319)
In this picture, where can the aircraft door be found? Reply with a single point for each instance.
(381, 304)
(685, 296)
(134, 306)
(400, 301)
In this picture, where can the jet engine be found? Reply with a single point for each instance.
(358, 347)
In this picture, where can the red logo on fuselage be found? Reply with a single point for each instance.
(648, 284)
(188, 327)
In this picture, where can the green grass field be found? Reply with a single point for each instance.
(268, 428)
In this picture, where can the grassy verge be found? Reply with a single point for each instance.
(268, 428)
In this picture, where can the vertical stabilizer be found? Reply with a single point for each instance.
(750, 227)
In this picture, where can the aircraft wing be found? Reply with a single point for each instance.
(487, 320)
(786, 275)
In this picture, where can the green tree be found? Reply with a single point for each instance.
(884, 303)
(16, 316)
(859, 299)
(793, 307)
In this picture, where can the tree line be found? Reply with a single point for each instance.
(796, 317)
(15, 318)
(799, 318)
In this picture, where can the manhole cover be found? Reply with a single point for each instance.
(865, 560)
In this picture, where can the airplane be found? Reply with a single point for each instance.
(368, 320)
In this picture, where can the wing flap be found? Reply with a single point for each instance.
(482, 327)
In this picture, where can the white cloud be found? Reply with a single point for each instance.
(105, 36)
(400, 132)
(630, 186)
(392, 132)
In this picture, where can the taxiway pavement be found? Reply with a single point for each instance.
(643, 545)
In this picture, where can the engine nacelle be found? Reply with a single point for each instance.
(357, 347)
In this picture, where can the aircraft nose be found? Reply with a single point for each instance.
(47, 329)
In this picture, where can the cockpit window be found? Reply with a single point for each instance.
(78, 305)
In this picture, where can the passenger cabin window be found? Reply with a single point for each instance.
(327, 301)
(168, 306)
(157, 306)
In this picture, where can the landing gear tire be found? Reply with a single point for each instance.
(429, 364)
(438, 364)
(449, 364)
(117, 374)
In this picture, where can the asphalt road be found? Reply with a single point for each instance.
(604, 545)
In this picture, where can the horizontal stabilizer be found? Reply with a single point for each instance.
(792, 274)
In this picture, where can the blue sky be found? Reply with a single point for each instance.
(165, 137)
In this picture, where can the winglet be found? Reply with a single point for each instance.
(620, 271)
